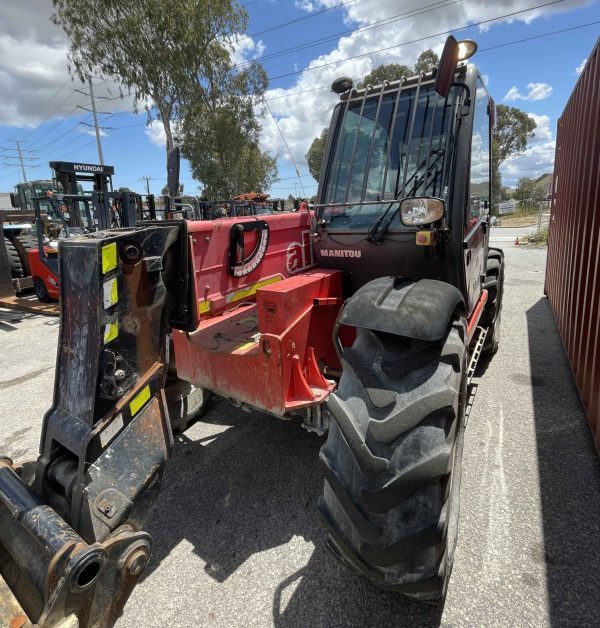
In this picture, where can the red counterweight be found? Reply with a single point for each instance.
(268, 353)
(263, 330)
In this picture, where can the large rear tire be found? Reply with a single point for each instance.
(492, 313)
(24, 242)
(392, 459)
(14, 262)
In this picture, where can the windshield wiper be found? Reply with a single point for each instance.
(376, 235)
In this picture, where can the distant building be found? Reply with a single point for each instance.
(545, 183)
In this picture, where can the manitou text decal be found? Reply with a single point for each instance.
(300, 255)
(340, 253)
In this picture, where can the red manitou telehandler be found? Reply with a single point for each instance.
(363, 318)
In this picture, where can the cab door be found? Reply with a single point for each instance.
(478, 202)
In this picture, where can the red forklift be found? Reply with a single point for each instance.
(77, 213)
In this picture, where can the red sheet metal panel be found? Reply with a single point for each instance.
(573, 267)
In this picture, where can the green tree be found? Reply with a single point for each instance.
(159, 51)
(314, 155)
(511, 134)
(527, 189)
(165, 191)
(426, 61)
(222, 145)
(386, 72)
(513, 130)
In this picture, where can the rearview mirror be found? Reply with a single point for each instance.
(421, 211)
(447, 67)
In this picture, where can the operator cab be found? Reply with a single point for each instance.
(405, 183)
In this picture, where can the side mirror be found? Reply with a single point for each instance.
(420, 211)
(14, 200)
(173, 171)
(454, 51)
(447, 67)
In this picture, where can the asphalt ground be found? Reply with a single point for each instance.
(236, 536)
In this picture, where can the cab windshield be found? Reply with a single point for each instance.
(388, 146)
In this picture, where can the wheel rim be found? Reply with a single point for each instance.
(40, 290)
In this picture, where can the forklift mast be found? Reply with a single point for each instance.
(69, 174)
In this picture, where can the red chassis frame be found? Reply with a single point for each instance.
(41, 271)
(263, 338)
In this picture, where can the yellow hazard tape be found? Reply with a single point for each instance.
(203, 307)
(109, 257)
(251, 290)
(140, 399)
(111, 331)
(111, 293)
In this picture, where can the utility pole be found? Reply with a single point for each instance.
(100, 155)
(21, 160)
(147, 180)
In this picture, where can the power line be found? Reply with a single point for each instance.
(508, 43)
(447, 32)
(288, 148)
(53, 111)
(302, 18)
(519, 41)
(384, 22)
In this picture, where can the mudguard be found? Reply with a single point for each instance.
(395, 305)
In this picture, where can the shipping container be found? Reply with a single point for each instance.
(573, 269)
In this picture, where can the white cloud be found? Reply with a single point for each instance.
(246, 49)
(536, 91)
(537, 160)
(302, 111)
(93, 132)
(33, 67)
(305, 5)
(579, 68)
(543, 132)
(155, 132)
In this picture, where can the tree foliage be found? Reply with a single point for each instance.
(221, 143)
(386, 72)
(426, 62)
(160, 52)
(314, 155)
(527, 189)
(513, 130)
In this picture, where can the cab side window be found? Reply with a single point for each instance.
(479, 195)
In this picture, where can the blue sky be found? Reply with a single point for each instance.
(39, 105)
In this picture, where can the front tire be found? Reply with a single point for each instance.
(41, 291)
(492, 313)
(392, 459)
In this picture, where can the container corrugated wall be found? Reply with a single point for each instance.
(573, 268)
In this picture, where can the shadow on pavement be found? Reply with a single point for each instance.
(253, 485)
(569, 472)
